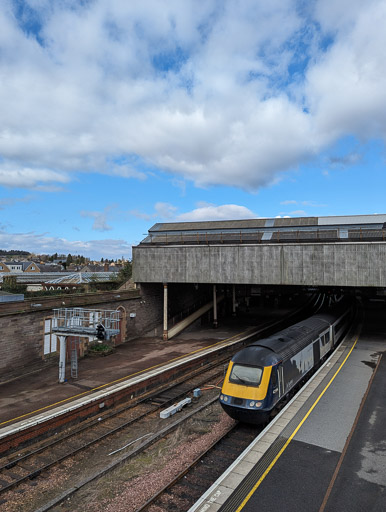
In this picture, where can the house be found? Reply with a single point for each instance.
(4, 267)
(49, 267)
(11, 266)
(28, 266)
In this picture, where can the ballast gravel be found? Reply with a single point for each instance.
(135, 492)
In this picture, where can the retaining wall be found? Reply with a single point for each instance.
(22, 324)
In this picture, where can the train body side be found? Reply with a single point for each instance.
(281, 362)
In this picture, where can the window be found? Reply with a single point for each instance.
(50, 339)
(274, 378)
(246, 375)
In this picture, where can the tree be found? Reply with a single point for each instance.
(126, 271)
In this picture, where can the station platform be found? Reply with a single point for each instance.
(40, 391)
(35, 394)
(326, 450)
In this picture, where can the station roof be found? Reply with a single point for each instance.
(268, 223)
(84, 277)
(62, 277)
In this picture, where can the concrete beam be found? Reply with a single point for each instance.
(359, 264)
(176, 329)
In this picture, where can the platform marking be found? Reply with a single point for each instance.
(343, 454)
(122, 378)
(257, 485)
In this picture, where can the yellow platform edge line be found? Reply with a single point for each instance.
(256, 486)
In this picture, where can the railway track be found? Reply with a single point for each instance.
(100, 440)
(188, 486)
(35, 461)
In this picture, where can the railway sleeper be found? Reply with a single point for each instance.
(35, 474)
(3, 484)
(223, 459)
(14, 476)
(203, 476)
(195, 487)
(11, 465)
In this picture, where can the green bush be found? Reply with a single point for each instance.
(99, 347)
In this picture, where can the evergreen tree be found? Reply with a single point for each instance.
(126, 271)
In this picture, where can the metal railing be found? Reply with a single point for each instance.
(81, 321)
(268, 236)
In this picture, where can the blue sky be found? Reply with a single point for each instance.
(116, 115)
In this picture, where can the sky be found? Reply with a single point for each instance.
(115, 115)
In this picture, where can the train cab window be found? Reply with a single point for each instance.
(246, 375)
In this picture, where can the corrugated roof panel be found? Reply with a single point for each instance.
(353, 219)
(297, 221)
(208, 225)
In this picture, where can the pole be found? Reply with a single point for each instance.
(215, 323)
(233, 300)
(165, 334)
(62, 359)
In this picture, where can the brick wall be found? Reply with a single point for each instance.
(22, 324)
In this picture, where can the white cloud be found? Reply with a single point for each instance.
(346, 89)
(29, 178)
(289, 201)
(346, 160)
(303, 203)
(100, 218)
(141, 215)
(222, 212)
(40, 243)
(201, 90)
(165, 210)
(299, 212)
(204, 211)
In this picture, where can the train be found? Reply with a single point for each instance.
(263, 375)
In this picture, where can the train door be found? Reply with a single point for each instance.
(316, 348)
(280, 379)
(275, 384)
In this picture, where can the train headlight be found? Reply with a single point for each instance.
(258, 404)
(221, 397)
(251, 404)
(224, 398)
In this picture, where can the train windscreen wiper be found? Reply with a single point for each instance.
(240, 379)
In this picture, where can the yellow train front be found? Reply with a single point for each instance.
(250, 389)
(266, 372)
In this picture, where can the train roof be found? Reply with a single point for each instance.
(284, 344)
(256, 355)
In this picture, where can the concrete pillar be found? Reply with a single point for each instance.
(215, 323)
(165, 333)
(233, 300)
(62, 359)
